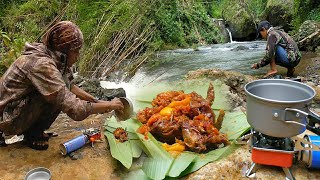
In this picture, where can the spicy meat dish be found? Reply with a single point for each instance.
(188, 118)
(120, 134)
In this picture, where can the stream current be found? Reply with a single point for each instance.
(172, 65)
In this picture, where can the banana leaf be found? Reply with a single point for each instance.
(136, 174)
(143, 96)
(160, 164)
(181, 163)
(122, 151)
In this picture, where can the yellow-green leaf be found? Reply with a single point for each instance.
(120, 150)
(181, 163)
(136, 175)
(234, 124)
(156, 168)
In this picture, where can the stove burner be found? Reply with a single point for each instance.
(273, 151)
(264, 141)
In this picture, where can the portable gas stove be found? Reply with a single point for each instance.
(273, 151)
(278, 119)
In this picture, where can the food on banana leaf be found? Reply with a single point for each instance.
(120, 134)
(176, 148)
(185, 117)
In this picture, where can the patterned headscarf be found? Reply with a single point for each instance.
(63, 37)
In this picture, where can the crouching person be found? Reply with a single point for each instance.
(37, 87)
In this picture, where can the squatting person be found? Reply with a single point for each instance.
(37, 87)
(281, 50)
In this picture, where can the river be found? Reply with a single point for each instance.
(173, 65)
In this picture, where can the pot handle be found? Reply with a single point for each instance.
(313, 120)
(294, 122)
(281, 115)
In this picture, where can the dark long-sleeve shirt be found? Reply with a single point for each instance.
(278, 37)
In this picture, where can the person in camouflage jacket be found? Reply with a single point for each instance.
(37, 87)
(281, 50)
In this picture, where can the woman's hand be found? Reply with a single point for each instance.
(107, 106)
(116, 104)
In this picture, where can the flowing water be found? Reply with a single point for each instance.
(174, 64)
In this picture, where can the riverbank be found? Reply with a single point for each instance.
(96, 163)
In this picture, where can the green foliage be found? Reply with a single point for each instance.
(314, 14)
(178, 23)
(184, 23)
(10, 49)
(257, 8)
(217, 8)
(305, 10)
(23, 21)
(27, 18)
(166, 16)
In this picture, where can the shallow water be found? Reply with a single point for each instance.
(174, 64)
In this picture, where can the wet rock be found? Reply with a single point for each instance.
(317, 50)
(220, 23)
(235, 80)
(93, 87)
(239, 20)
(240, 48)
(254, 46)
(312, 72)
(311, 76)
(66, 125)
(75, 155)
(308, 36)
(280, 13)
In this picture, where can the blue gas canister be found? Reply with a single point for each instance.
(73, 144)
(312, 157)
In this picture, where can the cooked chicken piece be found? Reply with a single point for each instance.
(187, 118)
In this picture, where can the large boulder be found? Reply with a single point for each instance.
(308, 36)
(93, 87)
(239, 21)
(220, 24)
(280, 13)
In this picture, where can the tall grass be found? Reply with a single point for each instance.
(121, 34)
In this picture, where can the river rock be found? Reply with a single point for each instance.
(240, 48)
(308, 36)
(311, 76)
(239, 21)
(280, 13)
(220, 23)
(93, 87)
(235, 80)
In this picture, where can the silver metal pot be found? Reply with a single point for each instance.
(127, 112)
(278, 107)
(38, 173)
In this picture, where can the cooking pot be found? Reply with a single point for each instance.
(127, 112)
(278, 107)
(38, 173)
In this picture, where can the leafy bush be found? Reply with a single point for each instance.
(178, 23)
(305, 10)
(314, 14)
(10, 49)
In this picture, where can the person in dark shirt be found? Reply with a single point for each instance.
(281, 50)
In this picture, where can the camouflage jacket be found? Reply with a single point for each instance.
(39, 70)
(279, 37)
